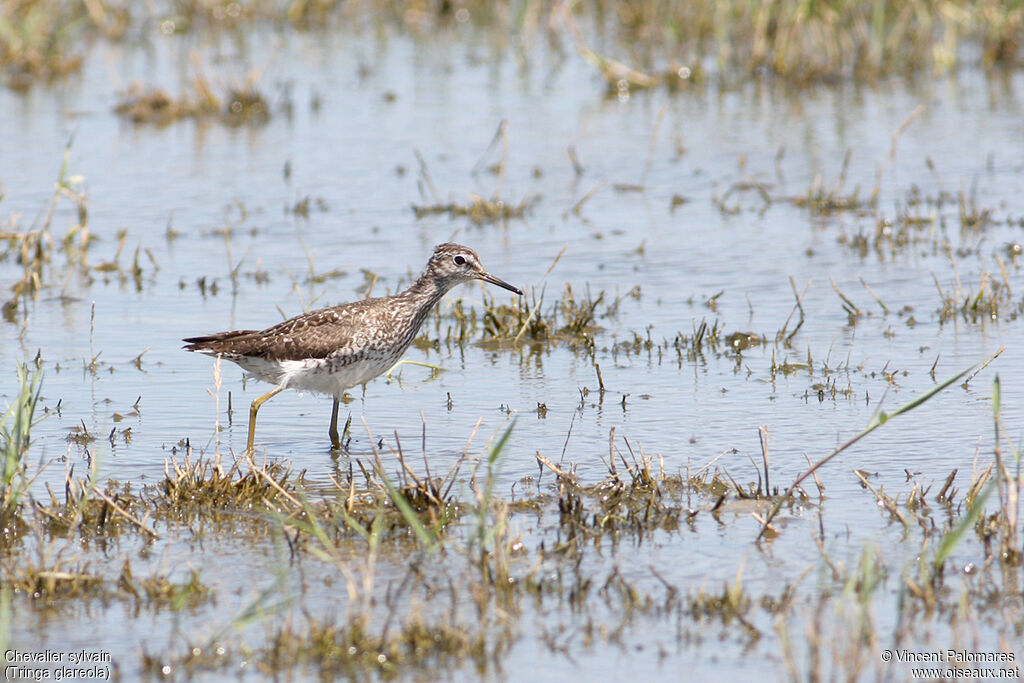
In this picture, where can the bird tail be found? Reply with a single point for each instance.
(214, 343)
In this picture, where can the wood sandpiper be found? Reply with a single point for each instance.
(332, 350)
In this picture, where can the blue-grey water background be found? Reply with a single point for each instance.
(360, 107)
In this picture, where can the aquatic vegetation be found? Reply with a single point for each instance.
(466, 576)
(880, 418)
(35, 247)
(38, 42)
(571, 319)
(678, 517)
(478, 209)
(786, 40)
(237, 106)
(15, 437)
(648, 44)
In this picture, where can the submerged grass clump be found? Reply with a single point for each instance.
(356, 648)
(479, 210)
(59, 584)
(635, 499)
(39, 41)
(237, 106)
(195, 485)
(35, 249)
(572, 319)
(993, 300)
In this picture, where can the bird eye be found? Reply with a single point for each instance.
(460, 260)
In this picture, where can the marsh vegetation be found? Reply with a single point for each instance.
(757, 412)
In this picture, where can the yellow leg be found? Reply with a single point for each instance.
(252, 414)
(333, 431)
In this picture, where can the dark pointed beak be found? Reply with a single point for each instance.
(487, 277)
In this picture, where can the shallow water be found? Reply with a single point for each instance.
(382, 100)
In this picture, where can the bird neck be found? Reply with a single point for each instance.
(426, 291)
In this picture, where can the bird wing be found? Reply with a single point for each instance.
(317, 334)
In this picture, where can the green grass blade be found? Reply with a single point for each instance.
(15, 431)
(882, 418)
(877, 421)
(498, 447)
(996, 397)
(427, 539)
(952, 538)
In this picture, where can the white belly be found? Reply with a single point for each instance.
(321, 376)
